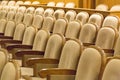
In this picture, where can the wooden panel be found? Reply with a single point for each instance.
(88, 4)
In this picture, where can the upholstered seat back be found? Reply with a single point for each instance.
(48, 12)
(70, 15)
(35, 2)
(3, 59)
(10, 15)
(29, 35)
(27, 21)
(30, 10)
(73, 29)
(112, 70)
(3, 3)
(54, 46)
(39, 11)
(19, 17)
(10, 28)
(90, 64)
(59, 13)
(51, 3)
(117, 47)
(37, 21)
(27, 2)
(48, 23)
(70, 55)
(106, 38)
(21, 9)
(60, 26)
(19, 32)
(18, 3)
(60, 4)
(102, 7)
(88, 33)
(83, 17)
(115, 8)
(11, 71)
(97, 19)
(112, 21)
(3, 14)
(6, 8)
(11, 3)
(40, 40)
(2, 25)
(70, 5)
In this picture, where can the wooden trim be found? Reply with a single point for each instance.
(55, 71)
(33, 61)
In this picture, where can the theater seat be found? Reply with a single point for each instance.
(48, 23)
(73, 29)
(88, 68)
(39, 11)
(60, 26)
(106, 39)
(88, 34)
(28, 38)
(70, 15)
(38, 47)
(18, 17)
(59, 13)
(83, 17)
(112, 21)
(102, 7)
(27, 2)
(35, 2)
(11, 71)
(3, 59)
(52, 53)
(60, 4)
(3, 14)
(37, 21)
(48, 12)
(51, 4)
(70, 5)
(72, 49)
(112, 70)
(97, 19)
(115, 8)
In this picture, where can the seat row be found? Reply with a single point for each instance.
(75, 63)
(54, 45)
(104, 7)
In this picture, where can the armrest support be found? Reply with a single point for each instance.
(33, 61)
(108, 50)
(56, 71)
(9, 41)
(5, 37)
(12, 46)
(28, 52)
(88, 44)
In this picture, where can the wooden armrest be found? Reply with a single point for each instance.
(33, 61)
(26, 77)
(56, 71)
(9, 41)
(108, 50)
(21, 53)
(12, 46)
(5, 37)
(88, 44)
